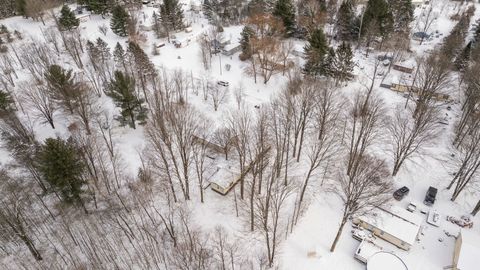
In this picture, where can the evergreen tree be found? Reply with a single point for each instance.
(157, 27)
(67, 20)
(315, 52)
(246, 34)
(104, 51)
(461, 62)
(328, 65)
(402, 15)
(453, 43)
(378, 16)
(285, 10)
(143, 66)
(122, 91)
(99, 6)
(21, 7)
(61, 167)
(345, 20)
(119, 21)
(6, 103)
(119, 57)
(62, 87)
(343, 64)
(171, 14)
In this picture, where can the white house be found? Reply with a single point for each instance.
(466, 255)
(394, 225)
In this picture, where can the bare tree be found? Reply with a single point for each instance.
(13, 220)
(224, 138)
(467, 165)
(410, 136)
(38, 98)
(239, 93)
(218, 95)
(240, 124)
(271, 206)
(432, 78)
(322, 144)
(370, 187)
(363, 127)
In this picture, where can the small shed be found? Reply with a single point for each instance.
(467, 251)
(395, 225)
(417, 3)
(224, 180)
(231, 49)
(403, 68)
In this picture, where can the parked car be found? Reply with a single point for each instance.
(223, 83)
(430, 196)
(400, 193)
(412, 207)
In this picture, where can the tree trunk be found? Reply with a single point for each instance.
(31, 248)
(476, 209)
(339, 233)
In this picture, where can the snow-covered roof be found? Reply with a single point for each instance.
(397, 222)
(366, 249)
(224, 176)
(469, 251)
(385, 260)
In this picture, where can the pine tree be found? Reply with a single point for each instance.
(122, 91)
(402, 15)
(143, 66)
(171, 14)
(285, 10)
(61, 167)
(21, 7)
(461, 62)
(246, 34)
(157, 27)
(6, 103)
(119, 21)
(315, 52)
(345, 20)
(67, 20)
(104, 51)
(119, 57)
(378, 15)
(343, 63)
(328, 65)
(62, 87)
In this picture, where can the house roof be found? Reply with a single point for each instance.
(395, 221)
(469, 251)
(224, 176)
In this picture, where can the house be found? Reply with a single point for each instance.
(395, 225)
(404, 69)
(402, 88)
(365, 250)
(220, 43)
(467, 251)
(231, 49)
(224, 179)
(210, 145)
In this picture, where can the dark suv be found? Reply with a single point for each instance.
(430, 196)
(400, 193)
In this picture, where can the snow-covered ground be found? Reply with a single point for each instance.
(316, 229)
